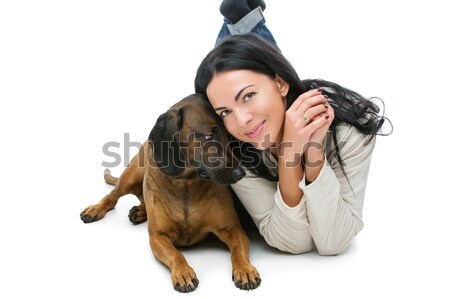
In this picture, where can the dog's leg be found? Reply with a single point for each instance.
(184, 278)
(130, 182)
(245, 276)
(138, 214)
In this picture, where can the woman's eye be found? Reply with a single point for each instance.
(224, 113)
(209, 137)
(248, 96)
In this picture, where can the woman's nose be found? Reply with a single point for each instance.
(243, 117)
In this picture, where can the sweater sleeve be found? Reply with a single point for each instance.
(330, 212)
(281, 226)
(334, 201)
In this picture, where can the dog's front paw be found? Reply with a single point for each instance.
(92, 214)
(246, 278)
(184, 280)
(137, 214)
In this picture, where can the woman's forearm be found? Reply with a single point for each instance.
(290, 173)
(313, 160)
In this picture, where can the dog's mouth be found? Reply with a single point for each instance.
(222, 177)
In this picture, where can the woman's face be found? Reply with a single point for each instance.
(252, 105)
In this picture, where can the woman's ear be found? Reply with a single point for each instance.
(282, 85)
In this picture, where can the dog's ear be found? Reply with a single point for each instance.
(164, 139)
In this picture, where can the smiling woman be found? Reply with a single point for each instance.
(306, 144)
(250, 105)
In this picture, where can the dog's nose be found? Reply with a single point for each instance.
(203, 175)
(238, 173)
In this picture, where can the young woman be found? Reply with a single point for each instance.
(306, 144)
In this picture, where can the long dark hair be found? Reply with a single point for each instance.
(251, 52)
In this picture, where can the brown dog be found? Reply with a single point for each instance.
(175, 176)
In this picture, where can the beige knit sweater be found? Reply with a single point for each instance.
(330, 212)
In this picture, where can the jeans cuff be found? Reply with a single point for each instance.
(247, 23)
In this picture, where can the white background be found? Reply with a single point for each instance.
(75, 75)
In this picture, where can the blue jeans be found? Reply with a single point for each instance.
(253, 22)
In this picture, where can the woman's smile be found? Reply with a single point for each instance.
(256, 131)
(251, 104)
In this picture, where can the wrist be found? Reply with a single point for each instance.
(314, 156)
(289, 160)
(313, 161)
(287, 154)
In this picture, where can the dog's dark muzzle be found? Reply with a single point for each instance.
(223, 176)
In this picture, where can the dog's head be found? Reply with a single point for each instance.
(189, 140)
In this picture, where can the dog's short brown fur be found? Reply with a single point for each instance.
(175, 176)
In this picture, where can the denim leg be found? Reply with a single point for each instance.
(253, 22)
(224, 32)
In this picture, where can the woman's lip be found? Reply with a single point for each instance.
(256, 131)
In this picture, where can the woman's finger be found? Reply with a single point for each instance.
(311, 102)
(317, 123)
(315, 111)
(303, 97)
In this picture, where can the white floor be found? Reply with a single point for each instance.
(77, 75)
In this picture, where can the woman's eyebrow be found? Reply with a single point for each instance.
(240, 91)
(236, 98)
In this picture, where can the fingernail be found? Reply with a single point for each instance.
(325, 96)
(326, 106)
(319, 89)
(327, 117)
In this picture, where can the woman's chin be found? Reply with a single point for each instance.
(262, 146)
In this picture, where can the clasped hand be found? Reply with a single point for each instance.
(306, 124)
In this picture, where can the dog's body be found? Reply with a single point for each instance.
(181, 208)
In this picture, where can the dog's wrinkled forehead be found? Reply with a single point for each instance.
(195, 114)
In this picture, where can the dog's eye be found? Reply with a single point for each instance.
(209, 137)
